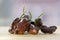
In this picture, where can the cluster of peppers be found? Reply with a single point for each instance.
(24, 23)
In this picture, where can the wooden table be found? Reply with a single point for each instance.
(5, 35)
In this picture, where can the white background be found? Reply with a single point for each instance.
(13, 9)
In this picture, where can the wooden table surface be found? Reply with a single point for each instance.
(5, 35)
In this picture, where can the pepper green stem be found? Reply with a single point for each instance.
(23, 13)
(36, 20)
(40, 15)
(30, 15)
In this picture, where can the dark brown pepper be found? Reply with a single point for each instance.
(52, 29)
(45, 29)
(21, 27)
(33, 30)
(14, 25)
